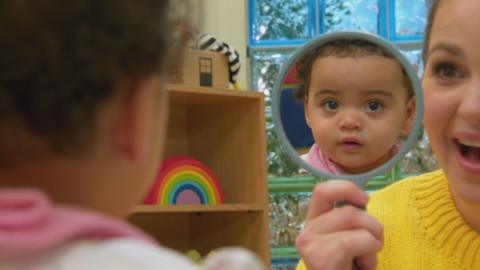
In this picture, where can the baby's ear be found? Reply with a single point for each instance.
(133, 125)
(410, 118)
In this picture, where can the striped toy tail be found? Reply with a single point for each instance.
(208, 42)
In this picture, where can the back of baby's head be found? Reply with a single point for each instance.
(61, 60)
(339, 48)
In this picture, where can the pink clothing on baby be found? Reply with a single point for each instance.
(317, 159)
(30, 225)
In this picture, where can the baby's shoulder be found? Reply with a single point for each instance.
(118, 254)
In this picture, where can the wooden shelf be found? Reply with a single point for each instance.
(239, 207)
(225, 130)
(171, 87)
(206, 231)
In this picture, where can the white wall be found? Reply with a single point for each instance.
(227, 21)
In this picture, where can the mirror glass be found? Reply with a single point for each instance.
(347, 105)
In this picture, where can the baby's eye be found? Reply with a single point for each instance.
(373, 106)
(330, 105)
(447, 71)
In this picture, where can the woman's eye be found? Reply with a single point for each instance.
(447, 71)
(373, 106)
(330, 105)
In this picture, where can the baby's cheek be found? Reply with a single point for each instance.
(384, 143)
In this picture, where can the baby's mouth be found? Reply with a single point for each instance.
(469, 150)
(350, 143)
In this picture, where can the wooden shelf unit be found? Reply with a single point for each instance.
(225, 130)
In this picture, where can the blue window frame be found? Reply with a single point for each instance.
(292, 22)
(361, 15)
(407, 20)
(279, 22)
(277, 27)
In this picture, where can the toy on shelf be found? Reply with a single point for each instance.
(194, 255)
(201, 68)
(232, 258)
(184, 180)
(208, 42)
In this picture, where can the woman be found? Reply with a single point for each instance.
(430, 221)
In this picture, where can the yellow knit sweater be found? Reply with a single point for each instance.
(422, 227)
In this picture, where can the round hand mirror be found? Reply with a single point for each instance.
(347, 105)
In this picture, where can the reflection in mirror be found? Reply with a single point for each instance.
(347, 105)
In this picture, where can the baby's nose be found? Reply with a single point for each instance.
(350, 120)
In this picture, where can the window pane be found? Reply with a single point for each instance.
(420, 158)
(287, 213)
(410, 17)
(415, 57)
(361, 15)
(276, 20)
(265, 68)
(286, 263)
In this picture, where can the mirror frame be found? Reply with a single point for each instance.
(359, 179)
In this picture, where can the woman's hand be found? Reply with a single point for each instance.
(342, 238)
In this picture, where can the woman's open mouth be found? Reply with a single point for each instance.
(469, 154)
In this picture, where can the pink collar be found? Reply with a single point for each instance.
(30, 224)
(317, 159)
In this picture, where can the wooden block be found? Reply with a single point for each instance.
(201, 68)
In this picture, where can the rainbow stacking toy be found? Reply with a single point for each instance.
(183, 180)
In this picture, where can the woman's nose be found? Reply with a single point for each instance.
(469, 108)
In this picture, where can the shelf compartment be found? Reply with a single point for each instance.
(225, 130)
(206, 231)
(198, 208)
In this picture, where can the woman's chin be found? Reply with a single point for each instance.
(463, 183)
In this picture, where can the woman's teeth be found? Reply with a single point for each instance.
(470, 151)
(469, 143)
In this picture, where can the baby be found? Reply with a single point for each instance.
(358, 103)
(83, 114)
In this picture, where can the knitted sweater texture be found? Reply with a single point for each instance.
(422, 227)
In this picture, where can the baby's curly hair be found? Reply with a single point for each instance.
(338, 48)
(60, 60)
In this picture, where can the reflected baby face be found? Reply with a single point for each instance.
(357, 107)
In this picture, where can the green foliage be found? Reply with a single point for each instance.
(279, 163)
(281, 19)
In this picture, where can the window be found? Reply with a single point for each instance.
(278, 27)
(292, 22)
(205, 68)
